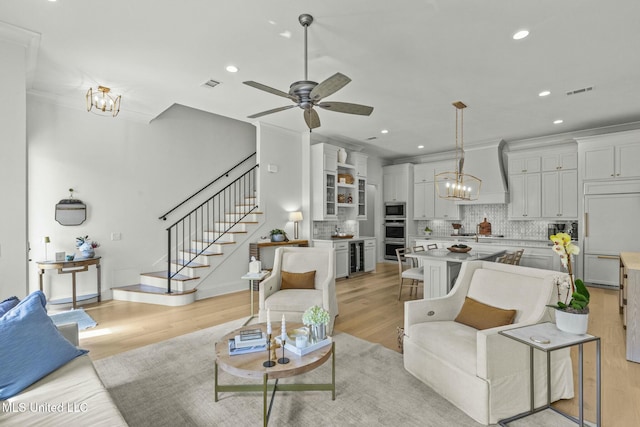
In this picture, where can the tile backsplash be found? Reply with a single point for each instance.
(471, 215)
(497, 215)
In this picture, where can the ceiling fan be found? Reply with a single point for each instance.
(307, 94)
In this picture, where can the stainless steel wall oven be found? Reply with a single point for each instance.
(394, 237)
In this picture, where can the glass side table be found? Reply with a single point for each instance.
(547, 337)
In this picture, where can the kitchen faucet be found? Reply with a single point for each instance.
(477, 232)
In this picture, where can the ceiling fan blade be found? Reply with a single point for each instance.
(275, 110)
(346, 107)
(269, 89)
(312, 118)
(329, 86)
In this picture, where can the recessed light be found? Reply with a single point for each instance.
(232, 68)
(545, 93)
(557, 122)
(520, 35)
(384, 131)
(420, 146)
(271, 22)
(286, 34)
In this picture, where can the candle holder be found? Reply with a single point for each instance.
(269, 363)
(283, 360)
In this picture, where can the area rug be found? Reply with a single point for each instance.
(78, 316)
(171, 384)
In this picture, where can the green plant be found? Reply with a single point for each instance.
(277, 231)
(427, 230)
(578, 292)
(315, 315)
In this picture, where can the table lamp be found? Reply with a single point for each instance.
(295, 217)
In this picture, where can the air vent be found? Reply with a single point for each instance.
(578, 91)
(371, 138)
(211, 83)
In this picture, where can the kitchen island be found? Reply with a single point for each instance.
(441, 267)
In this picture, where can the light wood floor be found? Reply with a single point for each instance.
(369, 309)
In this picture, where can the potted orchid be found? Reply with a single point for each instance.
(86, 246)
(572, 308)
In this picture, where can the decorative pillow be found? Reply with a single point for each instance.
(31, 346)
(298, 280)
(482, 316)
(8, 304)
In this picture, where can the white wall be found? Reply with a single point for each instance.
(13, 171)
(127, 174)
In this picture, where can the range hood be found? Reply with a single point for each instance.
(485, 162)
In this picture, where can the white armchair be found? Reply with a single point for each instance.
(293, 302)
(483, 373)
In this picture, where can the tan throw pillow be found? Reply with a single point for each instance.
(482, 316)
(298, 280)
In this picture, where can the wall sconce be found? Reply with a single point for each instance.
(295, 217)
(102, 102)
(46, 241)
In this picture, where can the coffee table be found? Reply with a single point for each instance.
(250, 366)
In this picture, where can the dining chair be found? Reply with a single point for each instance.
(414, 274)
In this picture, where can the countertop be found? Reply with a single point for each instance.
(506, 241)
(330, 239)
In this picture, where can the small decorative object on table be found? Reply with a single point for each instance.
(86, 246)
(459, 248)
(317, 319)
(271, 345)
(572, 317)
(278, 235)
(283, 360)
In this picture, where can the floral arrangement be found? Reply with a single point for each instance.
(315, 315)
(576, 289)
(86, 244)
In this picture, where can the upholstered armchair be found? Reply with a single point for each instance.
(483, 373)
(293, 302)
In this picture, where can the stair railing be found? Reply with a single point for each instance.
(223, 175)
(204, 226)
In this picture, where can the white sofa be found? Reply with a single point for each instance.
(292, 303)
(72, 395)
(483, 373)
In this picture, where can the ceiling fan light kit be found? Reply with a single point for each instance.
(456, 185)
(308, 94)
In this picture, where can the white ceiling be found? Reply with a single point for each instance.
(409, 59)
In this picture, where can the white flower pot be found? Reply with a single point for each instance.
(572, 322)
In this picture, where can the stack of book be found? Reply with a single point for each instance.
(248, 341)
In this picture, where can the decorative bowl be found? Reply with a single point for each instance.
(459, 250)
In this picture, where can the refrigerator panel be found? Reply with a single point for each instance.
(611, 223)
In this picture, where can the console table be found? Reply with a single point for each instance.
(70, 267)
(254, 248)
(630, 302)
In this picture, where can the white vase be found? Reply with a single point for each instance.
(342, 155)
(573, 323)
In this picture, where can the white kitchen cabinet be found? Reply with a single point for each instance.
(423, 172)
(347, 189)
(324, 161)
(423, 200)
(342, 255)
(613, 156)
(361, 184)
(559, 161)
(560, 194)
(524, 163)
(369, 255)
(525, 196)
(602, 269)
(445, 209)
(395, 182)
(359, 160)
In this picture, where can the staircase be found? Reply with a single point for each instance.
(198, 243)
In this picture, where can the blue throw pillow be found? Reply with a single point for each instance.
(8, 304)
(30, 346)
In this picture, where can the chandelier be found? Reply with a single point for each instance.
(457, 185)
(101, 101)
